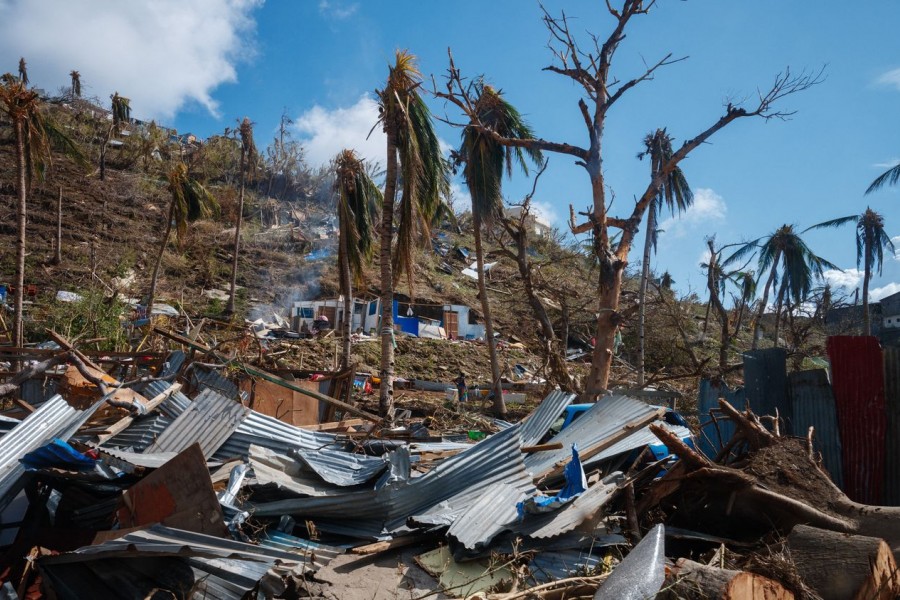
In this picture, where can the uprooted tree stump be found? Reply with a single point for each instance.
(839, 565)
(689, 580)
(778, 484)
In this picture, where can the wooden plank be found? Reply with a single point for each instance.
(254, 372)
(123, 424)
(345, 424)
(542, 447)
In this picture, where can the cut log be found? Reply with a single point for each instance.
(840, 565)
(690, 580)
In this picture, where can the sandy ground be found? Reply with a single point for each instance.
(391, 575)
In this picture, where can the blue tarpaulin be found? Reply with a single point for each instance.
(576, 484)
(57, 453)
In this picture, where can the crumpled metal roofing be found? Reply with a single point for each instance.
(548, 411)
(571, 515)
(211, 379)
(262, 430)
(140, 434)
(321, 553)
(487, 517)
(343, 468)
(272, 468)
(126, 460)
(209, 420)
(163, 558)
(600, 424)
(173, 405)
(54, 419)
(451, 486)
(641, 437)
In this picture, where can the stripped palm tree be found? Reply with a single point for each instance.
(871, 240)
(358, 201)
(23, 71)
(189, 201)
(786, 251)
(676, 195)
(413, 156)
(35, 137)
(484, 162)
(248, 158)
(76, 84)
(746, 283)
(121, 114)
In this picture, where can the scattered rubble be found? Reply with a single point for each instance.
(192, 473)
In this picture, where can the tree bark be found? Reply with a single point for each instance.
(499, 406)
(867, 567)
(103, 149)
(58, 257)
(348, 301)
(764, 299)
(689, 580)
(386, 388)
(229, 308)
(778, 305)
(867, 324)
(151, 297)
(21, 206)
(642, 292)
(713, 287)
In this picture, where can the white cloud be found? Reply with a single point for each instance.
(848, 279)
(337, 10)
(325, 132)
(891, 78)
(163, 54)
(460, 198)
(896, 241)
(884, 291)
(887, 164)
(708, 208)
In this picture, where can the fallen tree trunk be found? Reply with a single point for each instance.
(11, 387)
(839, 566)
(689, 580)
(780, 486)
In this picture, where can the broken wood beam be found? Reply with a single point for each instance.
(542, 447)
(689, 580)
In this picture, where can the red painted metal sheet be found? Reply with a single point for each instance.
(858, 384)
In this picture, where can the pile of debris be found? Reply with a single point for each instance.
(169, 485)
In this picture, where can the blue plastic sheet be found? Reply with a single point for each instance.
(576, 484)
(58, 453)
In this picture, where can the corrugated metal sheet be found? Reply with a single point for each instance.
(282, 471)
(38, 390)
(892, 430)
(140, 434)
(449, 488)
(320, 553)
(262, 430)
(812, 403)
(126, 460)
(539, 421)
(715, 429)
(600, 424)
(343, 468)
(765, 384)
(173, 405)
(55, 418)
(211, 379)
(571, 515)
(209, 420)
(858, 383)
(173, 364)
(487, 517)
(640, 438)
(551, 566)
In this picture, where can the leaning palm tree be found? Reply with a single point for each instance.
(484, 162)
(189, 201)
(676, 195)
(785, 251)
(76, 84)
(413, 155)
(35, 136)
(248, 157)
(121, 114)
(871, 240)
(358, 201)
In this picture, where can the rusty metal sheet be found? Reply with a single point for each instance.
(892, 433)
(178, 494)
(858, 383)
(812, 403)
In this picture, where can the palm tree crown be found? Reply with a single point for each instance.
(358, 201)
(190, 199)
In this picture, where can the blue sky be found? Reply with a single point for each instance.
(201, 65)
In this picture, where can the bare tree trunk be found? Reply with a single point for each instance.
(642, 292)
(386, 389)
(103, 148)
(740, 317)
(18, 322)
(764, 299)
(713, 286)
(706, 318)
(229, 308)
(867, 323)
(151, 297)
(499, 406)
(58, 258)
(778, 304)
(346, 325)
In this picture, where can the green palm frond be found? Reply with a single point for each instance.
(889, 177)
(871, 240)
(358, 200)
(833, 224)
(121, 109)
(190, 200)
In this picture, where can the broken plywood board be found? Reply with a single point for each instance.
(282, 403)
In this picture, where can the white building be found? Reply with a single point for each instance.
(536, 223)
